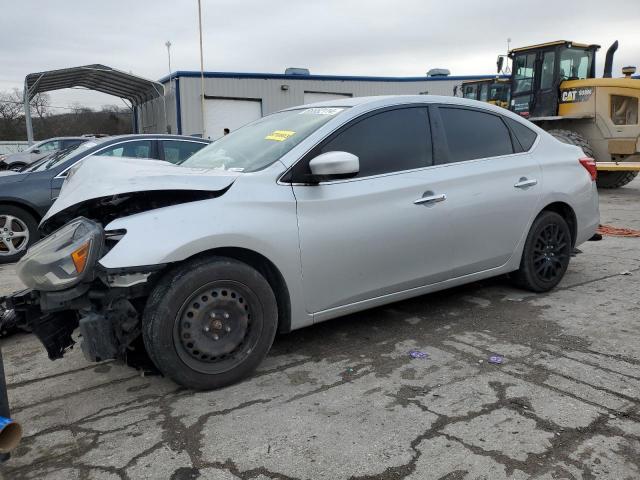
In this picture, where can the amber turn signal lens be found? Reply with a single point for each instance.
(79, 257)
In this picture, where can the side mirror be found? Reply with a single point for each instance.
(500, 63)
(35, 150)
(333, 166)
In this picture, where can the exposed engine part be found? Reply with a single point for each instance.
(106, 209)
(126, 280)
(54, 331)
(109, 333)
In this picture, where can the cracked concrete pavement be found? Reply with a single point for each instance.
(344, 400)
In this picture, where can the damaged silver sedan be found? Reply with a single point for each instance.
(302, 216)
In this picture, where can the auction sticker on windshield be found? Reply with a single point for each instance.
(280, 135)
(322, 111)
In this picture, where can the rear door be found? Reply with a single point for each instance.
(374, 234)
(492, 186)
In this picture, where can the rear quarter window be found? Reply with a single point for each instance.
(524, 135)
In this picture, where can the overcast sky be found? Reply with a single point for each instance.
(350, 37)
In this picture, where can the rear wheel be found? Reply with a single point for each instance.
(210, 323)
(18, 230)
(546, 253)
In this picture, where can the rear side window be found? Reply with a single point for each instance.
(524, 135)
(472, 134)
(177, 151)
(389, 141)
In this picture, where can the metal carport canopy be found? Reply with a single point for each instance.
(92, 77)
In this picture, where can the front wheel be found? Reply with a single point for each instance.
(18, 230)
(210, 323)
(546, 253)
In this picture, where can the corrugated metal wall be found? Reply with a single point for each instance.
(274, 98)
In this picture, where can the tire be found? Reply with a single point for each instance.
(546, 254)
(16, 167)
(210, 322)
(16, 221)
(605, 179)
(614, 179)
(573, 138)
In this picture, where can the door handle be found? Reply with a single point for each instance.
(429, 198)
(524, 182)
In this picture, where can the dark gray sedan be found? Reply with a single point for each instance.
(26, 196)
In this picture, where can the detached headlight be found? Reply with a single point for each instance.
(64, 258)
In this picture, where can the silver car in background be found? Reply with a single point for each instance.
(302, 216)
(38, 151)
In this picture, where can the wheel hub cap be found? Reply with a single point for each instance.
(214, 324)
(14, 235)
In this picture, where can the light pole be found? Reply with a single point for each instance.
(168, 45)
(201, 66)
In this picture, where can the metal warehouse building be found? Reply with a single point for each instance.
(234, 99)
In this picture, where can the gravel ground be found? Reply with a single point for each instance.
(344, 400)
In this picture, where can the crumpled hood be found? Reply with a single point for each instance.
(99, 177)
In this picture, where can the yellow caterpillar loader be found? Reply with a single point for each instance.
(554, 85)
(493, 90)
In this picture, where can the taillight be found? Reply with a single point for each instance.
(590, 165)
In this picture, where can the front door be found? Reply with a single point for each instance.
(384, 231)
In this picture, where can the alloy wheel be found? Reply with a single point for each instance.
(14, 235)
(550, 252)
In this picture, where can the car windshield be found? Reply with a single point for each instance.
(61, 156)
(259, 144)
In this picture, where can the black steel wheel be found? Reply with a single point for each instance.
(546, 254)
(210, 323)
(214, 330)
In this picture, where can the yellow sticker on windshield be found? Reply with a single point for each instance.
(280, 135)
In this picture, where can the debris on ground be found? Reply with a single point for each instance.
(625, 272)
(617, 231)
(418, 354)
(496, 359)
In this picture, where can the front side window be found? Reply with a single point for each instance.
(469, 91)
(471, 134)
(177, 151)
(259, 144)
(49, 146)
(137, 149)
(523, 72)
(390, 141)
(575, 64)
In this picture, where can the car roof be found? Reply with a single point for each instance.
(363, 104)
(155, 136)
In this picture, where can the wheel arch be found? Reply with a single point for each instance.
(565, 211)
(267, 269)
(26, 207)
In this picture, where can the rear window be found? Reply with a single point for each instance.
(524, 135)
(472, 134)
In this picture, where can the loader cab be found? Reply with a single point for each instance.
(539, 70)
(493, 90)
